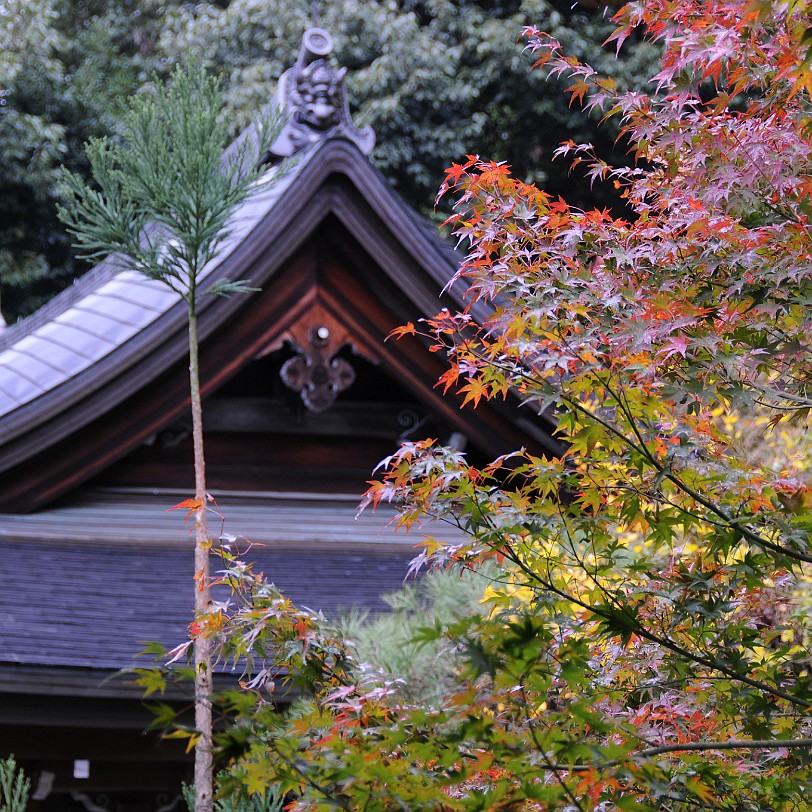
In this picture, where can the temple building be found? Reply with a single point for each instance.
(303, 396)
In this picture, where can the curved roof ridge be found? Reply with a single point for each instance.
(109, 320)
(108, 306)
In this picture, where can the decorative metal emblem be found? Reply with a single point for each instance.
(316, 374)
(313, 98)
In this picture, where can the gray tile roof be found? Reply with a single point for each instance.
(84, 332)
(70, 601)
(111, 306)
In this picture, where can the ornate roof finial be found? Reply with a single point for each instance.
(313, 98)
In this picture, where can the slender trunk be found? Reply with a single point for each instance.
(202, 645)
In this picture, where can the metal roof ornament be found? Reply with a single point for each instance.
(312, 97)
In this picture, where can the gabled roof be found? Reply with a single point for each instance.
(331, 239)
(117, 334)
(112, 315)
(90, 325)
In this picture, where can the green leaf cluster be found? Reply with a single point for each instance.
(15, 787)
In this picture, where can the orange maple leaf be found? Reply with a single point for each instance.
(407, 329)
(191, 505)
(474, 391)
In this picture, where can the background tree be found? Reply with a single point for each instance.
(66, 68)
(646, 649)
(421, 671)
(161, 204)
(436, 80)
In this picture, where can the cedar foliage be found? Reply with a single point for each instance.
(15, 787)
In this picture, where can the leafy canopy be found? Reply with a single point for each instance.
(65, 68)
(434, 80)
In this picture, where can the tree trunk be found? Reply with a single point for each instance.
(202, 643)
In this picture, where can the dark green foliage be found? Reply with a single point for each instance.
(435, 80)
(65, 69)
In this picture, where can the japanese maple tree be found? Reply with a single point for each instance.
(641, 648)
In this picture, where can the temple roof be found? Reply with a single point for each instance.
(70, 601)
(72, 365)
(112, 305)
(99, 375)
(86, 329)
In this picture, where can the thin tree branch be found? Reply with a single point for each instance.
(685, 747)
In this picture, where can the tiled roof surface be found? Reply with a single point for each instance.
(102, 312)
(78, 337)
(67, 601)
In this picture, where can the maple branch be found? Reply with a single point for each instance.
(554, 768)
(641, 447)
(662, 499)
(637, 628)
(618, 605)
(802, 402)
(668, 473)
(328, 793)
(731, 744)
